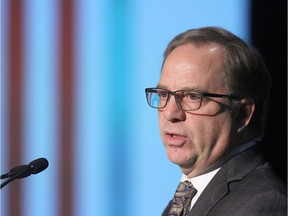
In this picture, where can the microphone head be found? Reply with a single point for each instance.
(38, 165)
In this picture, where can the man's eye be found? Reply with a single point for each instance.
(192, 96)
(163, 94)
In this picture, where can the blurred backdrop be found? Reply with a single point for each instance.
(73, 74)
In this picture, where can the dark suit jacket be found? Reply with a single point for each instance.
(245, 186)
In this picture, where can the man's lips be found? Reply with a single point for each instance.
(174, 139)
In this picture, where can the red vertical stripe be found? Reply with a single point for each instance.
(66, 107)
(15, 102)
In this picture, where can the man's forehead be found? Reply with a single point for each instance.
(194, 67)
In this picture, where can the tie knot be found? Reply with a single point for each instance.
(185, 189)
(182, 198)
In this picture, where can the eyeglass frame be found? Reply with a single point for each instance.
(231, 97)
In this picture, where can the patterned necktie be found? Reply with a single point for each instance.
(182, 198)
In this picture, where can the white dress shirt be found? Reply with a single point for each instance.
(200, 182)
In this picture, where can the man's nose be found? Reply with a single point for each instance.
(172, 112)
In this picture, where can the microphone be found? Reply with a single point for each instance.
(38, 165)
(23, 171)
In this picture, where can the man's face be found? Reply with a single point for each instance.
(196, 140)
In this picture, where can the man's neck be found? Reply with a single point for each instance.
(226, 157)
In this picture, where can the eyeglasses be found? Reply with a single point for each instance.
(186, 100)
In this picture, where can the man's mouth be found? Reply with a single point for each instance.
(175, 139)
(174, 134)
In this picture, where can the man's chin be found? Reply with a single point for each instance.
(183, 163)
(180, 161)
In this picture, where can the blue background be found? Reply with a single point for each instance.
(120, 166)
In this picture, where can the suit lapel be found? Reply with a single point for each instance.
(234, 170)
(214, 191)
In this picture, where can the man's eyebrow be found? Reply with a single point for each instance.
(185, 88)
(162, 87)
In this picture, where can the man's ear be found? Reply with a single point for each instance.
(246, 112)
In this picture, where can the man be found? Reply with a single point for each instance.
(211, 101)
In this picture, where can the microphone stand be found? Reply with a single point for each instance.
(25, 172)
